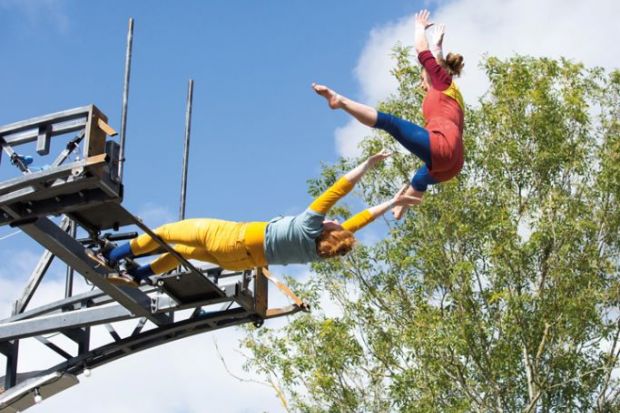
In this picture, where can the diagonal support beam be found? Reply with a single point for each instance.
(73, 143)
(113, 332)
(54, 347)
(62, 245)
(182, 260)
(37, 275)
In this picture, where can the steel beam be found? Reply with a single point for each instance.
(21, 397)
(70, 320)
(53, 347)
(37, 275)
(158, 336)
(57, 129)
(73, 143)
(31, 126)
(78, 335)
(6, 347)
(33, 282)
(63, 321)
(10, 378)
(48, 234)
(72, 231)
(43, 177)
(96, 297)
(61, 204)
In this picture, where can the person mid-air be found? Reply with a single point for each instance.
(231, 245)
(439, 144)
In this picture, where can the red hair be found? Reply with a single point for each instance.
(332, 243)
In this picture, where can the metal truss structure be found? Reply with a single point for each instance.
(87, 195)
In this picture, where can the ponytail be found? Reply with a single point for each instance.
(453, 63)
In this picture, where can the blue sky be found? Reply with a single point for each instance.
(258, 130)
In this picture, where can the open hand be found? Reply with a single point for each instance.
(422, 19)
(379, 157)
(406, 200)
(406, 197)
(439, 30)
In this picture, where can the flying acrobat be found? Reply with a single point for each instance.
(440, 143)
(243, 245)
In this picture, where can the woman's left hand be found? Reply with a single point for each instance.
(437, 36)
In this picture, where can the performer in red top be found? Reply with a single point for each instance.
(440, 143)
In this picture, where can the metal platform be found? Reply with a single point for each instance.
(87, 193)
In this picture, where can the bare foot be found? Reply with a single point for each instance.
(399, 211)
(334, 100)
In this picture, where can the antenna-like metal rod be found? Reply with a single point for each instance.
(125, 98)
(188, 127)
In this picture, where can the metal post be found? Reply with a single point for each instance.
(10, 377)
(188, 127)
(69, 277)
(125, 99)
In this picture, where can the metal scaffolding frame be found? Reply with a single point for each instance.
(87, 193)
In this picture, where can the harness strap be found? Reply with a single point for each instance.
(287, 291)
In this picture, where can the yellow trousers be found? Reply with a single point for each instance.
(231, 245)
(225, 243)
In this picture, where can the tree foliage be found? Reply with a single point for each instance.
(500, 292)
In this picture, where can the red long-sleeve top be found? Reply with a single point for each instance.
(443, 113)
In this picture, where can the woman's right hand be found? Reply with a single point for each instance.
(422, 19)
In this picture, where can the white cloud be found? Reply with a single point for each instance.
(186, 375)
(349, 136)
(154, 215)
(581, 30)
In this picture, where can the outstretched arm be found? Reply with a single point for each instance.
(439, 31)
(421, 24)
(355, 174)
(360, 220)
(401, 199)
(345, 184)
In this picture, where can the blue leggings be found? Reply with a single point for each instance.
(416, 140)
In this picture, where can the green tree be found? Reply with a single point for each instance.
(499, 293)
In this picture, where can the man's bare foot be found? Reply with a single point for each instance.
(334, 100)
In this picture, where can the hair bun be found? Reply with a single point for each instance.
(454, 63)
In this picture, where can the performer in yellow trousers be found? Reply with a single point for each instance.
(243, 245)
